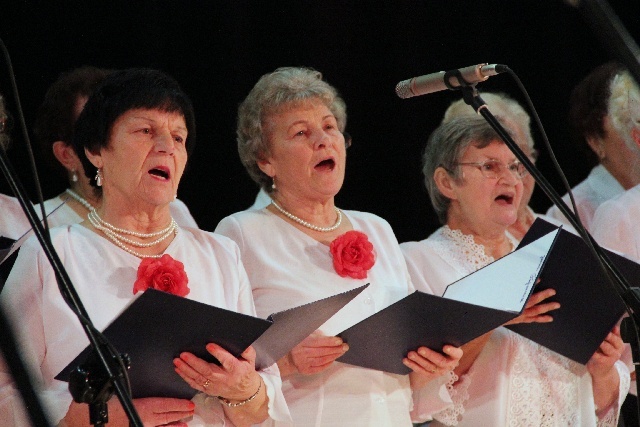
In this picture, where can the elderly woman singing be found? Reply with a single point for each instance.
(475, 185)
(134, 136)
(302, 248)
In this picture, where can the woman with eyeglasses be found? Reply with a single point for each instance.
(475, 185)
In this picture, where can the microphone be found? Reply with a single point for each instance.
(436, 82)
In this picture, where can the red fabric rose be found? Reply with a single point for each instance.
(164, 274)
(353, 254)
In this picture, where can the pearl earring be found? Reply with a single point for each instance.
(99, 178)
(74, 176)
(273, 185)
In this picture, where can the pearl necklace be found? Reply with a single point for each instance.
(78, 198)
(308, 224)
(115, 234)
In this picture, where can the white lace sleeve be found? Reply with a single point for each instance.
(459, 392)
(610, 418)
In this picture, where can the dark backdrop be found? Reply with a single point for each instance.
(218, 49)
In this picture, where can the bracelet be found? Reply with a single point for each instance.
(228, 403)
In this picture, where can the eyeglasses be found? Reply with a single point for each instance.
(492, 168)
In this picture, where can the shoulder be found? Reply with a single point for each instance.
(366, 220)
(206, 240)
(181, 214)
(252, 220)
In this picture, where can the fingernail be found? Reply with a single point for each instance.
(345, 347)
(422, 352)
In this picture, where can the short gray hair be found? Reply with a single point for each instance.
(624, 108)
(446, 146)
(501, 105)
(274, 92)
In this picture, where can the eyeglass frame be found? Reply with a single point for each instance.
(483, 172)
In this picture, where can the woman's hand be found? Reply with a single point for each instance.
(535, 310)
(235, 382)
(428, 364)
(604, 376)
(315, 354)
(153, 411)
(235, 379)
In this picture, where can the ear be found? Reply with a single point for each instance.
(596, 146)
(66, 156)
(445, 183)
(266, 167)
(95, 159)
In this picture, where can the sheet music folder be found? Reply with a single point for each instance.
(152, 343)
(590, 307)
(470, 307)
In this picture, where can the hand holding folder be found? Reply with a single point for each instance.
(470, 307)
(152, 344)
(590, 307)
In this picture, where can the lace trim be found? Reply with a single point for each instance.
(464, 250)
(610, 419)
(459, 395)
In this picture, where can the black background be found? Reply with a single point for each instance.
(218, 49)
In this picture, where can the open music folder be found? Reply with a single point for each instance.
(152, 344)
(590, 307)
(470, 307)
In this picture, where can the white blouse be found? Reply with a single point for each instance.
(616, 224)
(596, 189)
(103, 276)
(514, 381)
(288, 268)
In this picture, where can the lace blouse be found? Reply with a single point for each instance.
(514, 381)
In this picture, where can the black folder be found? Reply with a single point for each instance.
(384, 339)
(590, 307)
(152, 342)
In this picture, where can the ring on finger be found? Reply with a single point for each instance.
(206, 383)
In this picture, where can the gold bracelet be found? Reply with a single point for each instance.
(228, 403)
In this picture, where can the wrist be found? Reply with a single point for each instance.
(232, 403)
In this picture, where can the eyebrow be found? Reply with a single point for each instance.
(147, 119)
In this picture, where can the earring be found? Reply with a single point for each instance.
(99, 178)
(74, 176)
(273, 185)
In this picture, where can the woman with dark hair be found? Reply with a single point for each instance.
(53, 134)
(134, 137)
(591, 122)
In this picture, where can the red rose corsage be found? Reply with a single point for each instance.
(164, 274)
(353, 254)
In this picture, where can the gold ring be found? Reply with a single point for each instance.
(206, 383)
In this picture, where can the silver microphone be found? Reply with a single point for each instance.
(436, 82)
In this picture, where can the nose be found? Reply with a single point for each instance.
(508, 176)
(164, 142)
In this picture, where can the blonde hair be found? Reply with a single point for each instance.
(502, 106)
(624, 108)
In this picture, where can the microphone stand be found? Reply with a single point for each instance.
(629, 295)
(97, 387)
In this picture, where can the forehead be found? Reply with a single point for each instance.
(176, 118)
(292, 109)
(495, 148)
